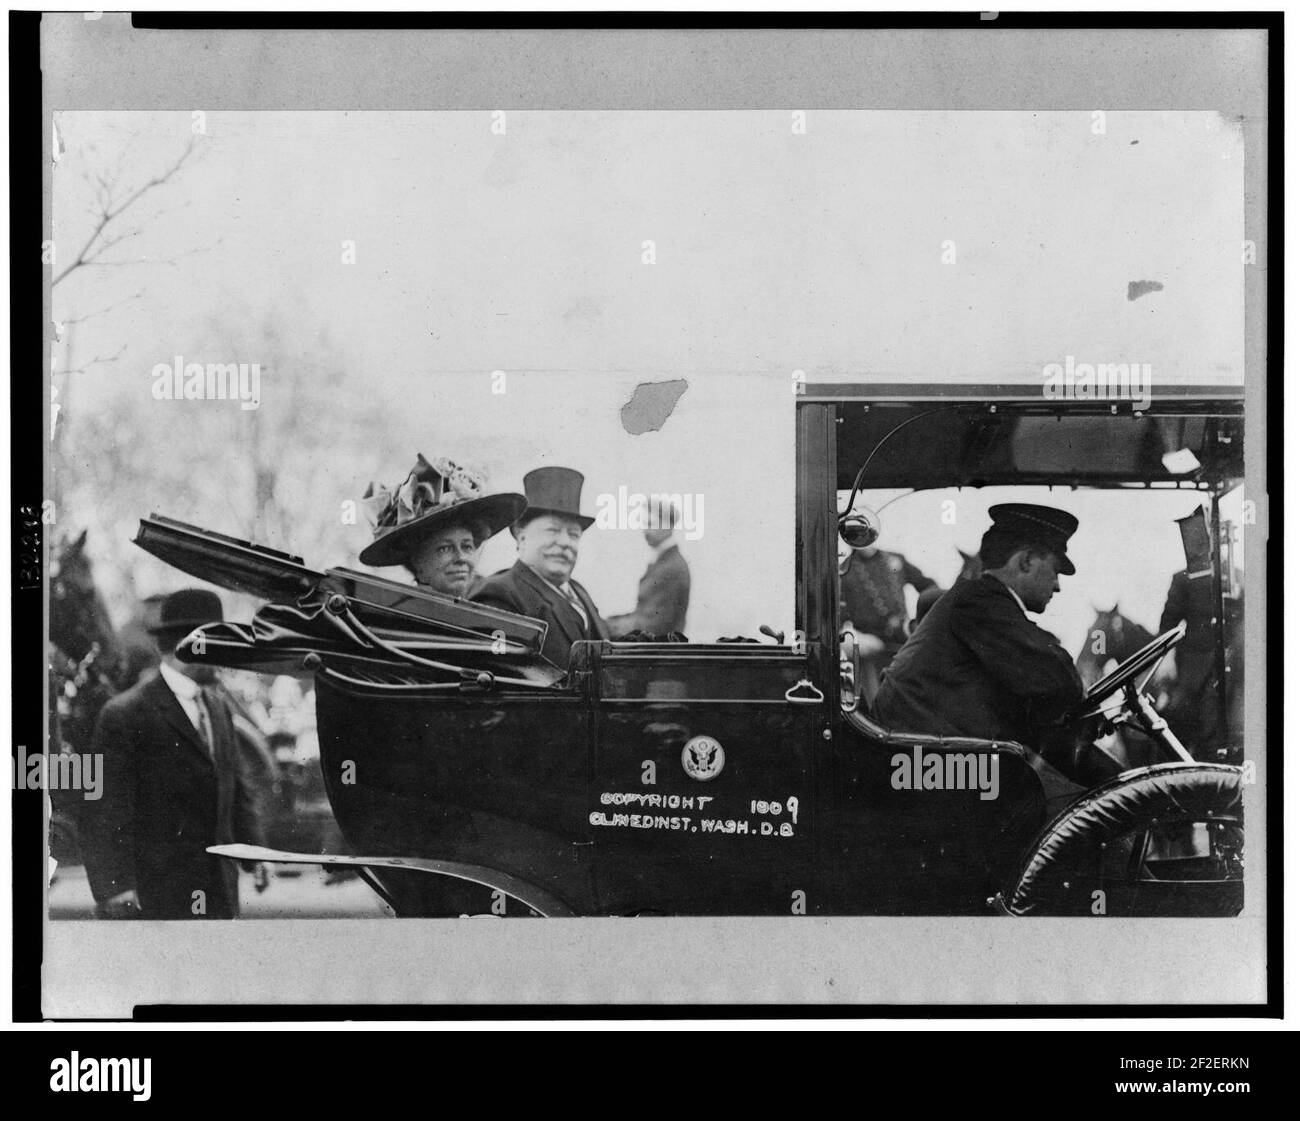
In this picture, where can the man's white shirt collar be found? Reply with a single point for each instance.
(567, 590)
(185, 688)
(186, 691)
(657, 551)
(547, 580)
(1014, 595)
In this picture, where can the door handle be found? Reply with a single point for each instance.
(804, 692)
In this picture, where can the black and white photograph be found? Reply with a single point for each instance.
(802, 529)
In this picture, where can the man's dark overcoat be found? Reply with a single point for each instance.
(521, 590)
(165, 800)
(976, 666)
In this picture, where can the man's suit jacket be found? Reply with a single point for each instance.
(521, 590)
(661, 597)
(976, 666)
(1192, 601)
(164, 802)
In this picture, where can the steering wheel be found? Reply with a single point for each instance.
(1125, 674)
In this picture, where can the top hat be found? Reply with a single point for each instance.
(1044, 526)
(434, 496)
(554, 490)
(185, 610)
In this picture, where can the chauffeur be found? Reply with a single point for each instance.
(977, 666)
(547, 535)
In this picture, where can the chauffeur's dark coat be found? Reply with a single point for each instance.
(521, 590)
(976, 666)
(165, 800)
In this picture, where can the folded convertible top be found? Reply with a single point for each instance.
(339, 614)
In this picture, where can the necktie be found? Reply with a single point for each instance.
(205, 720)
(572, 597)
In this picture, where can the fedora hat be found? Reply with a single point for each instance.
(554, 490)
(187, 609)
(1045, 526)
(434, 496)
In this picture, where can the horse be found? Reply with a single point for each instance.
(86, 668)
(971, 566)
(1111, 638)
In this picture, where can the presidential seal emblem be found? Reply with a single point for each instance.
(703, 758)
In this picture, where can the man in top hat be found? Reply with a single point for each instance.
(175, 782)
(539, 584)
(977, 665)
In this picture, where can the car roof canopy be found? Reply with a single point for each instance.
(924, 438)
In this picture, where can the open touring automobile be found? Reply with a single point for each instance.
(750, 778)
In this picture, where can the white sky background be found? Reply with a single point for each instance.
(774, 252)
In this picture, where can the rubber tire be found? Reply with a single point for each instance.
(1056, 875)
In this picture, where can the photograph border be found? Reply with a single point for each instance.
(72, 79)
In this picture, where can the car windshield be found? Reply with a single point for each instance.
(1126, 550)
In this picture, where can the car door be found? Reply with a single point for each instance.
(703, 795)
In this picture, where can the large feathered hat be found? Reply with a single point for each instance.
(434, 496)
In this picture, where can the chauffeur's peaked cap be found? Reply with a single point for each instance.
(1042, 525)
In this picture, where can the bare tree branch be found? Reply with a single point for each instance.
(109, 211)
(99, 311)
(109, 242)
(98, 360)
(171, 260)
(187, 253)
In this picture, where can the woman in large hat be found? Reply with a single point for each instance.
(435, 523)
